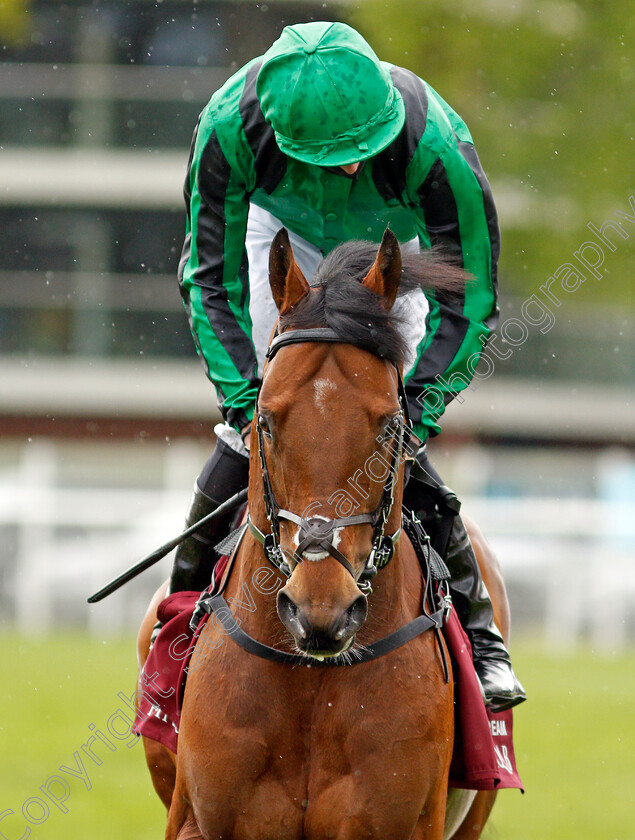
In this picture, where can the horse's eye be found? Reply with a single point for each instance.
(264, 425)
(390, 427)
(386, 432)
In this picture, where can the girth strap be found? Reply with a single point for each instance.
(218, 605)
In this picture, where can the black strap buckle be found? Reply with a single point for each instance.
(201, 609)
(382, 552)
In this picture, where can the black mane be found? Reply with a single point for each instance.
(339, 301)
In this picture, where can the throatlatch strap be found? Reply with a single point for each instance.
(219, 606)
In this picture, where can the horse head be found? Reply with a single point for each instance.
(330, 429)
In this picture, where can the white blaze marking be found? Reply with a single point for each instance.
(322, 388)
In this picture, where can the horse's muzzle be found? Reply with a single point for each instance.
(320, 629)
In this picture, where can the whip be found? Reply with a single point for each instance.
(166, 548)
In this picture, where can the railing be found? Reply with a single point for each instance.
(64, 542)
(569, 564)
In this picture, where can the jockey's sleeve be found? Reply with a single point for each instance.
(213, 273)
(454, 208)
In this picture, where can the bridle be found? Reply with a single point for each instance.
(320, 532)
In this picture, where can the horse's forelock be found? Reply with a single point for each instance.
(339, 301)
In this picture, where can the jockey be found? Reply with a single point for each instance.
(321, 137)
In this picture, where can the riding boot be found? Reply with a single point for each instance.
(225, 473)
(195, 556)
(430, 499)
(492, 663)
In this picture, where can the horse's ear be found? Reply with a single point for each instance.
(288, 285)
(385, 273)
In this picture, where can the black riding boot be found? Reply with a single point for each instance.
(492, 663)
(493, 666)
(195, 556)
(225, 473)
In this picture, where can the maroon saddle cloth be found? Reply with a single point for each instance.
(483, 756)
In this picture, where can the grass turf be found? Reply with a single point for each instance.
(574, 743)
(574, 746)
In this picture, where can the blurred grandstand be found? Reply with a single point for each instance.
(105, 414)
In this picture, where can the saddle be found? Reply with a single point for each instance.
(483, 757)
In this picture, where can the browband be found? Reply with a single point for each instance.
(302, 336)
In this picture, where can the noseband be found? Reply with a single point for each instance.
(314, 532)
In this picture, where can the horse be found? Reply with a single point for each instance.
(297, 750)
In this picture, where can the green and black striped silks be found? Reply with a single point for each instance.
(428, 183)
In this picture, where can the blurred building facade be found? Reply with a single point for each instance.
(97, 106)
(98, 101)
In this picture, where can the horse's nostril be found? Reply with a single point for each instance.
(353, 618)
(288, 612)
(286, 606)
(359, 609)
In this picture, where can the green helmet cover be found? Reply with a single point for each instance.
(328, 98)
